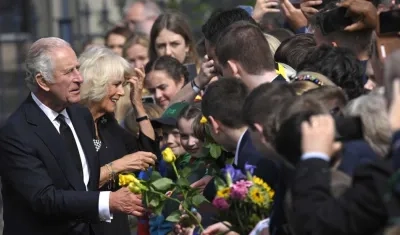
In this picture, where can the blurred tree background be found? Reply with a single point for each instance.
(198, 11)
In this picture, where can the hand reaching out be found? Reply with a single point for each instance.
(126, 202)
(218, 228)
(308, 7)
(294, 16)
(363, 10)
(202, 183)
(264, 7)
(135, 161)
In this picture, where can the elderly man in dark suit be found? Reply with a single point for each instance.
(49, 167)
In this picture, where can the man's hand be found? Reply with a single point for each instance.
(394, 109)
(294, 16)
(318, 135)
(126, 202)
(263, 7)
(202, 183)
(218, 228)
(363, 10)
(307, 7)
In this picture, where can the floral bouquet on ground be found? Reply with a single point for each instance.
(157, 190)
(242, 200)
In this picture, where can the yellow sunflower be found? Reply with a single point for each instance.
(257, 196)
(265, 186)
(224, 192)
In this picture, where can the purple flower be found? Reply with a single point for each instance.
(233, 173)
(249, 168)
(240, 189)
(220, 203)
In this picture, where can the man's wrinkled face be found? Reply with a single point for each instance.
(67, 80)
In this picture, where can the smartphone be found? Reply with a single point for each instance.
(348, 128)
(333, 20)
(148, 99)
(295, 3)
(389, 22)
(192, 69)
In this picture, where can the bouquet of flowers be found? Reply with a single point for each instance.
(242, 200)
(157, 190)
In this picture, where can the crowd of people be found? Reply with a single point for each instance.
(315, 110)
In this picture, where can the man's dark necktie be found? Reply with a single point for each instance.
(69, 140)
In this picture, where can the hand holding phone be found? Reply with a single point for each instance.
(263, 7)
(310, 7)
(293, 15)
(388, 28)
(333, 20)
(363, 12)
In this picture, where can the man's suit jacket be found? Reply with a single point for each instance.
(247, 153)
(43, 192)
(360, 210)
(265, 168)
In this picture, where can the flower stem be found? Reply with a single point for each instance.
(176, 171)
(187, 210)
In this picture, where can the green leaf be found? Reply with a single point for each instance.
(215, 151)
(158, 209)
(163, 184)
(154, 202)
(209, 145)
(155, 175)
(193, 191)
(185, 172)
(174, 216)
(219, 183)
(183, 182)
(186, 204)
(198, 200)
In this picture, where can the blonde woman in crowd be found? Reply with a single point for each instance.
(135, 51)
(105, 74)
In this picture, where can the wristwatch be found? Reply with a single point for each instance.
(195, 88)
(142, 118)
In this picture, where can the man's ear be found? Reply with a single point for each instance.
(260, 131)
(234, 68)
(334, 44)
(215, 125)
(42, 83)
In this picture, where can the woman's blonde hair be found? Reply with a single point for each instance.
(372, 110)
(273, 42)
(99, 66)
(138, 38)
(305, 81)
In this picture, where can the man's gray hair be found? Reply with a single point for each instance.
(38, 60)
(391, 72)
(151, 8)
(371, 109)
